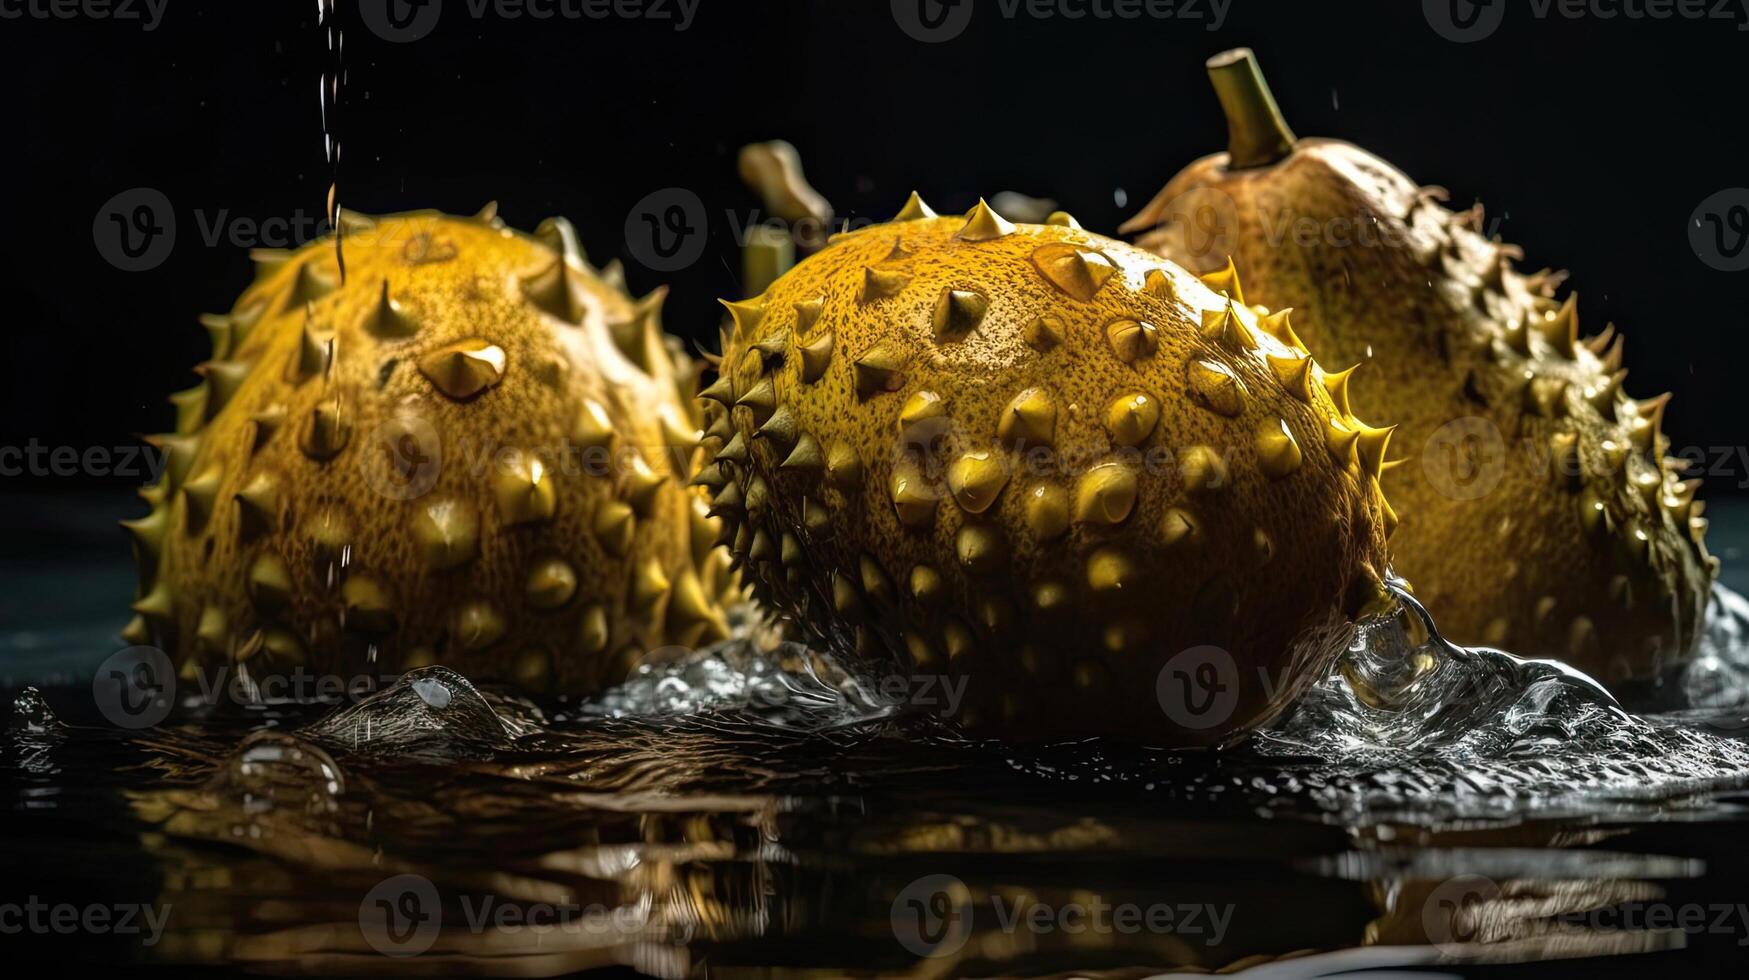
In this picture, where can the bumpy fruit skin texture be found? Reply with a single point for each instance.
(1044, 463)
(474, 453)
(1541, 515)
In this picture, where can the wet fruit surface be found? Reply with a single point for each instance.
(1047, 463)
(1540, 512)
(472, 452)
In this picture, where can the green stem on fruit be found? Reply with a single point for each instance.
(1257, 135)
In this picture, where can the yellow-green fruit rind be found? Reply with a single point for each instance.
(474, 452)
(990, 475)
(1539, 510)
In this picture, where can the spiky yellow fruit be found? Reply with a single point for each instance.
(472, 450)
(1539, 513)
(1047, 463)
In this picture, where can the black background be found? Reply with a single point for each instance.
(1592, 139)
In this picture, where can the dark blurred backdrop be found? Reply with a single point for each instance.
(1593, 139)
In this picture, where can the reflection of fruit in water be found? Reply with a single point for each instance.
(473, 452)
(1045, 462)
(1541, 513)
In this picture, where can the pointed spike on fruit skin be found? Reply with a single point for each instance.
(387, 319)
(806, 458)
(919, 408)
(1046, 508)
(879, 284)
(1045, 333)
(816, 356)
(927, 585)
(721, 391)
(1077, 271)
(191, 408)
(464, 369)
(1131, 418)
(983, 224)
(1105, 495)
(734, 451)
(976, 479)
(327, 432)
(845, 597)
(1062, 219)
(781, 428)
(1295, 374)
(1561, 329)
(1257, 135)
(447, 533)
(958, 312)
(1278, 454)
(269, 583)
(1029, 419)
(524, 490)
(199, 494)
(1132, 340)
(258, 504)
(550, 290)
(649, 585)
(981, 549)
(1370, 446)
(843, 466)
(1203, 469)
(1226, 281)
(1603, 396)
(223, 379)
(157, 606)
(761, 398)
(914, 209)
(1214, 386)
(746, 314)
(638, 335)
(879, 370)
(1179, 529)
(913, 501)
(1341, 440)
(1279, 326)
(1336, 383)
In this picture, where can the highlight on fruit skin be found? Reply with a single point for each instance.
(1543, 514)
(1043, 463)
(474, 452)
